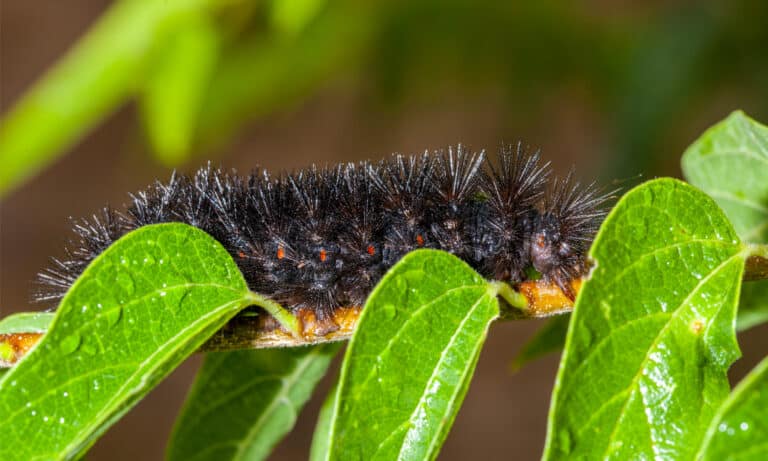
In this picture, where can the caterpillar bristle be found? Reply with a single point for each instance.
(320, 238)
(568, 220)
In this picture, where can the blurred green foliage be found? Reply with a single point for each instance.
(201, 69)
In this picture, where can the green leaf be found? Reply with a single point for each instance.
(176, 81)
(321, 439)
(753, 307)
(291, 16)
(753, 310)
(89, 82)
(652, 333)
(244, 402)
(739, 431)
(410, 360)
(550, 338)
(138, 310)
(26, 322)
(730, 163)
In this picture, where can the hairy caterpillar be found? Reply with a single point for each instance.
(319, 239)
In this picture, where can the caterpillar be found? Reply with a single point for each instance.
(317, 240)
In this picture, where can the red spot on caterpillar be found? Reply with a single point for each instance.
(435, 193)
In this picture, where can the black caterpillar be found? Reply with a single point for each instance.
(321, 238)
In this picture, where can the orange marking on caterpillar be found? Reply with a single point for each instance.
(323, 255)
(280, 253)
(419, 240)
(371, 250)
(545, 299)
(241, 254)
(16, 346)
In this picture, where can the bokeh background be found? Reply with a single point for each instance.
(98, 99)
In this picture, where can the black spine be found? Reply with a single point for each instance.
(321, 238)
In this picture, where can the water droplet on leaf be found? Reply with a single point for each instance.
(390, 311)
(71, 343)
(125, 282)
(113, 315)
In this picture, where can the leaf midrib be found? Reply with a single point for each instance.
(634, 383)
(281, 397)
(162, 351)
(402, 328)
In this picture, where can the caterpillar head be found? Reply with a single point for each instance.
(548, 248)
(563, 231)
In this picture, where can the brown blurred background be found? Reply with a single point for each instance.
(617, 88)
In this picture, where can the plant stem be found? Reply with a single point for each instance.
(756, 267)
(283, 316)
(512, 297)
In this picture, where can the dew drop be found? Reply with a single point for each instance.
(744, 426)
(113, 315)
(65, 394)
(34, 413)
(89, 349)
(71, 343)
(45, 418)
(125, 282)
(61, 420)
(162, 293)
(390, 311)
(84, 308)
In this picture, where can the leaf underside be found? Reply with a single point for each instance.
(730, 163)
(244, 402)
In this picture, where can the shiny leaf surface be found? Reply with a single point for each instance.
(651, 337)
(408, 366)
(740, 429)
(137, 311)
